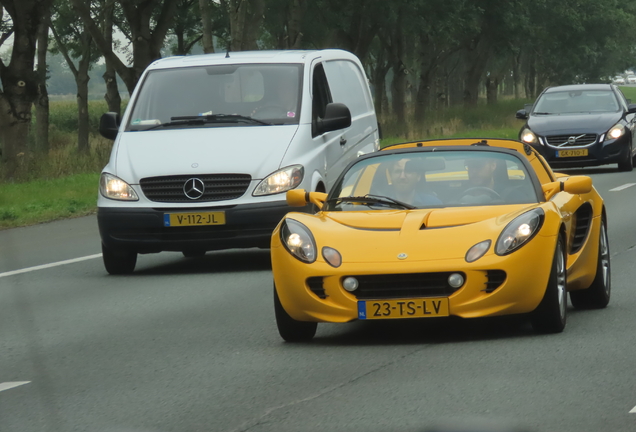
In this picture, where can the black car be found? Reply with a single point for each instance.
(581, 125)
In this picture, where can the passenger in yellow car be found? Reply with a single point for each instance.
(407, 179)
(481, 172)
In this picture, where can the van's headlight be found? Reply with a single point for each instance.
(115, 188)
(298, 240)
(280, 181)
(528, 137)
(615, 132)
(519, 231)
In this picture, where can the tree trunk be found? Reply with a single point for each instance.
(492, 84)
(19, 82)
(206, 20)
(423, 97)
(112, 97)
(398, 92)
(82, 105)
(42, 104)
(246, 18)
(294, 25)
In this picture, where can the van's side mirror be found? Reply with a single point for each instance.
(631, 108)
(109, 125)
(337, 116)
(522, 114)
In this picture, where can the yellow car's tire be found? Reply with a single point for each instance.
(118, 262)
(290, 329)
(551, 314)
(597, 296)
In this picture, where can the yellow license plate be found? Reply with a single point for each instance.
(193, 219)
(572, 153)
(389, 309)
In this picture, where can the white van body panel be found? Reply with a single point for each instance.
(252, 149)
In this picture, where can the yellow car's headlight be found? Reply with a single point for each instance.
(115, 188)
(298, 240)
(519, 231)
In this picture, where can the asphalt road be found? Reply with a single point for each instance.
(191, 345)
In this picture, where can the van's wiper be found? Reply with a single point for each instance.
(373, 199)
(213, 118)
(221, 118)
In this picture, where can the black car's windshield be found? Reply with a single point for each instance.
(433, 180)
(576, 101)
(223, 95)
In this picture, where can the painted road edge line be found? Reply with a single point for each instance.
(45, 266)
(621, 187)
(633, 411)
(10, 385)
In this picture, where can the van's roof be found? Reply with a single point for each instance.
(243, 57)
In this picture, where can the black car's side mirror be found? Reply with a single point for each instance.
(337, 116)
(109, 125)
(631, 108)
(522, 114)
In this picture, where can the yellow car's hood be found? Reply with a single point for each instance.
(427, 234)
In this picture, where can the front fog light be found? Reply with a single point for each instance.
(477, 251)
(456, 280)
(350, 284)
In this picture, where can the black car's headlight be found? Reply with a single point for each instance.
(617, 131)
(298, 240)
(528, 137)
(115, 188)
(280, 181)
(518, 232)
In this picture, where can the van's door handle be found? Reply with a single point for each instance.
(343, 141)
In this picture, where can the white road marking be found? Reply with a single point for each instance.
(621, 187)
(45, 266)
(10, 385)
(633, 411)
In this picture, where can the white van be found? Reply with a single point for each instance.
(209, 145)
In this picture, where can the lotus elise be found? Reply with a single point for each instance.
(459, 227)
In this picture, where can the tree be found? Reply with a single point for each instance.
(146, 40)
(19, 81)
(73, 40)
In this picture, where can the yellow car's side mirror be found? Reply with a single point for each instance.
(300, 198)
(574, 185)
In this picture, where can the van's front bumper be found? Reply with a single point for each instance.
(142, 230)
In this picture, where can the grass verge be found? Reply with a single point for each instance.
(39, 201)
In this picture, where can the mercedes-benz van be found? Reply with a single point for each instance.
(209, 144)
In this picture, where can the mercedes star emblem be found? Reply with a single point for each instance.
(194, 188)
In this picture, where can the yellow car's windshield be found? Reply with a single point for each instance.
(434, 179)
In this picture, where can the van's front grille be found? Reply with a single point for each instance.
(202, 188)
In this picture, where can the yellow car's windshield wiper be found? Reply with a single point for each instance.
(373, 199)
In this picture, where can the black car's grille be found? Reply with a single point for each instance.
(574, 140)
(388, 286)
(217, 187)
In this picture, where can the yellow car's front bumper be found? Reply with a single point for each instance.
(526, 276)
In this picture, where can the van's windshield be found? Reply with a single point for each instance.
(222, 95)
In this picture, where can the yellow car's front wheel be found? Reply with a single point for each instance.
(290, 329)
(551, 314)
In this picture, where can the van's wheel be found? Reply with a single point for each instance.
(551, 314)
(627, 164)
(117, 261)
(597, 296)
(290, 329)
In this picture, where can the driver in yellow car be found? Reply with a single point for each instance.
(406, 178)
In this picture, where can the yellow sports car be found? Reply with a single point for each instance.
(459, 227)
